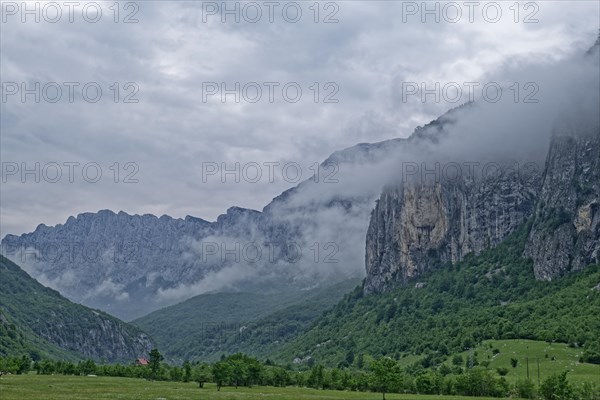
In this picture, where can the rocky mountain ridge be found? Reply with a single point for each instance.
(130, 265)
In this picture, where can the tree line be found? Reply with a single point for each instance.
(383, 375)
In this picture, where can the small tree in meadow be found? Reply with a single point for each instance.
(154, 362)
(221, 372)
(383, 374)
(202, 374)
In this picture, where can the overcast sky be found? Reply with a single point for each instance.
(175, 57)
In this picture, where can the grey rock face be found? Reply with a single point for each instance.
(100, 338)
(566, 232)
(101, 258)
(415, 226)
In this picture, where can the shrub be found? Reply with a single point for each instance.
(556, 387)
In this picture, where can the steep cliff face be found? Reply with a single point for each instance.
(566, 232)
(415, 226)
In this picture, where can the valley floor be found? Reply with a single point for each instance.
(55, 387)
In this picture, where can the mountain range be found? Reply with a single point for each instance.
(468, 213)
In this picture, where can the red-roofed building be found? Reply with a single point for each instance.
(141, 361)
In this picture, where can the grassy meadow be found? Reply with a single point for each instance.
(553, 358)
(55, 387)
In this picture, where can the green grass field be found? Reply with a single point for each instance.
(56, 387)
(565, 359)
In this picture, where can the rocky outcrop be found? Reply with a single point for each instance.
(97, 336)
(566, 231)
(415, 226)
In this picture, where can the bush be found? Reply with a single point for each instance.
(591, 354)
(525, 388)
(457, 360)
(556, 387)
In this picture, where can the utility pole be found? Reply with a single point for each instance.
(538, 363)
(527, 361)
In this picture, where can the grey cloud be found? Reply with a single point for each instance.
(170, 132)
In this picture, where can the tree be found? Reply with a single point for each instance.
(24, 365)
(87, 367)
(383, 374)
(514, 362)
(360, 361)
(176, 374)
(238, 371)
(457, 360)
(280, 377)
(254, 370)
(155, 359)
(316, 377)
(591, 354)
(480, 382)
(202, 374)
(187, 371)
(221, 373)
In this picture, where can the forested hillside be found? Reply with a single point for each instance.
(207, 326)
(491, 296)
(37, 321)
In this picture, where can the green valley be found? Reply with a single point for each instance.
(206, 326)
